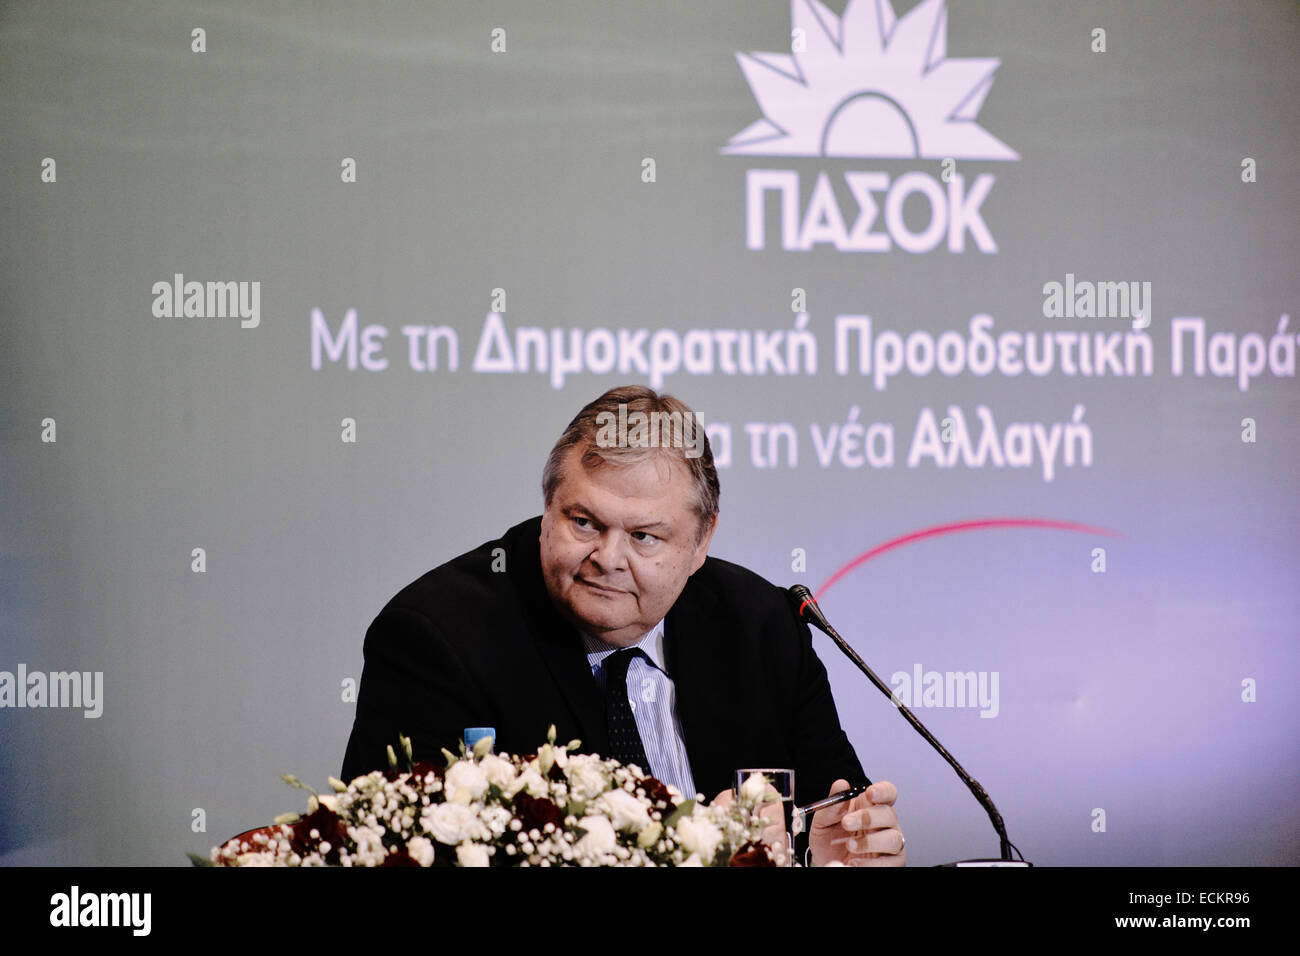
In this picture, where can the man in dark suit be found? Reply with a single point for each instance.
(615, 579)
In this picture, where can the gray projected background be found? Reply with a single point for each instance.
(994, 296)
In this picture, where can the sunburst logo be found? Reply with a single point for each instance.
(869, 84)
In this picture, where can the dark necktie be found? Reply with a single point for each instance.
(624, 741)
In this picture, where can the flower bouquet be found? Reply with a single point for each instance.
(552, 808)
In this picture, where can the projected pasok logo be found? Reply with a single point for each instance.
(869, 84)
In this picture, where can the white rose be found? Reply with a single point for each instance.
(625, 810)
(450, 823)
(468, 776)
(699, 835)
(498, 771)
(586, 779)
(420, 850)
(472, 854)
(599, 838)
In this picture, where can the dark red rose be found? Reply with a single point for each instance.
(535, 812)
(656, 792)
(400, 858)
(752, 854)
(325, 822)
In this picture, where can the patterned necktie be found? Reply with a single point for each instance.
(624, 741)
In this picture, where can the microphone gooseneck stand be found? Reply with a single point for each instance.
(805, 607)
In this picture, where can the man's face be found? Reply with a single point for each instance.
(618, 544)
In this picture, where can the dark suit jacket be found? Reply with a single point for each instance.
(470, 646)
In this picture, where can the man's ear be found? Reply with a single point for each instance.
(702, 549)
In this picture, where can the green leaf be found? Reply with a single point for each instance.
(200, 860)
(684, 810)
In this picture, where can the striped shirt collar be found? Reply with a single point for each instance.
(652, 645)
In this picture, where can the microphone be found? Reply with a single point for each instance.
(806, 609)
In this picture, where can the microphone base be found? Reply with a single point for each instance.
(989, 863)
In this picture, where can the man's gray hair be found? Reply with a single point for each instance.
(582, 434)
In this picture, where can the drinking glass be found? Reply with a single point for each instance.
(782, 780)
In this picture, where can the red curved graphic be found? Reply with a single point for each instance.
(956, 527)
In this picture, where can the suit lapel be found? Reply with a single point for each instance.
(698, 664)
(557, 643)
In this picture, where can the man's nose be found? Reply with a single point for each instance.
(610, 554)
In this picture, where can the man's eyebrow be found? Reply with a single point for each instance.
(642, 526)
(576, 510)
(648, 524)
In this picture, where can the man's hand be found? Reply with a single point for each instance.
(862, 832)
(773, 834)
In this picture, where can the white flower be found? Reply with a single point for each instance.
(753, 789)
(468, 776)
(531, 782)
(498, 771)
(691, 860)
(586, 778)
(420, 850)
(650, 836)
(545, 758)
(625, 811)
(472, 854)
(699, 835)
(599, 837)
(450, 823)
(496, 818)
(370, 846)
